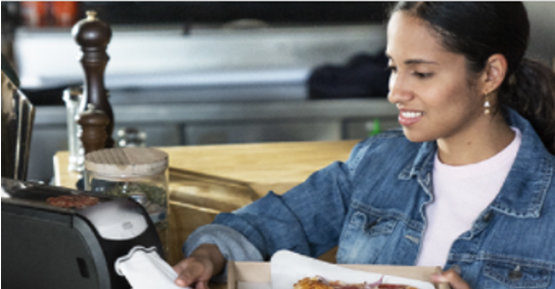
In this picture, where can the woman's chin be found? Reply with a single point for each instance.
(414, 136)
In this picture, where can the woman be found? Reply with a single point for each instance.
(467, 185)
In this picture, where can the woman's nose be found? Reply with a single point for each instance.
(398, 90)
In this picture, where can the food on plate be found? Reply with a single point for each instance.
(72, 201)
(319, 282)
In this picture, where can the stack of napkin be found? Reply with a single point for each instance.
(144, 269)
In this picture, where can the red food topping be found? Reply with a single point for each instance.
(72, 201)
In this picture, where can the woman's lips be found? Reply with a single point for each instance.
(409, 117)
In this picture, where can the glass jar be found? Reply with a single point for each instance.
(136, 172)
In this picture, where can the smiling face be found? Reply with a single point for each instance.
(430, 86)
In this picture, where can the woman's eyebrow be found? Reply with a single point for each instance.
(415, 61)
(419, 61)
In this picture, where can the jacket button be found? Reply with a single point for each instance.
(516, 274)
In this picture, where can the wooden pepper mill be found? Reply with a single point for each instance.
(93, 123)
(93, 36)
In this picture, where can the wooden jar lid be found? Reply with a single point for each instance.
(128, 161)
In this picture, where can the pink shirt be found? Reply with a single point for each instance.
(461, 193)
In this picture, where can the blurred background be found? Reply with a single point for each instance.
(194, 73)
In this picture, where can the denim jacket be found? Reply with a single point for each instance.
(372, 208)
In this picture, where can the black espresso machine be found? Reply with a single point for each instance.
(59, 238)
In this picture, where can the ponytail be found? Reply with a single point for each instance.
(530, 90)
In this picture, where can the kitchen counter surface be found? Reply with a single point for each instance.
(261, 165)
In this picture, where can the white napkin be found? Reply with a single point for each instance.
(288, 267)
(144, 269)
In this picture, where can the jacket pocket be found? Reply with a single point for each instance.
(371, 225)
(364, 237)
(505, 275)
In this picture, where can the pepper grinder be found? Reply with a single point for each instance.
(93, 133)
(93, 36)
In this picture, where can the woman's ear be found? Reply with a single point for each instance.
(494, 73)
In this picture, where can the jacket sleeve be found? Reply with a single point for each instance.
(308, 219)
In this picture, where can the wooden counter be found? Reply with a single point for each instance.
(261, 165)
(209, 179)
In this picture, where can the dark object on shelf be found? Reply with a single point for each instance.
(363, 76)
(46, 96)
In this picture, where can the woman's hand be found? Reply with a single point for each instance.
(452, 278)
(199, 267)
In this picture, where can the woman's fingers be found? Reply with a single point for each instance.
(191, 271)
(202, 285)
(452, 278)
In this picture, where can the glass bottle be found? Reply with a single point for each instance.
(73, 98)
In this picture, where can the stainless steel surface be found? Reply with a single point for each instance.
(204, 57)
(17, 125)
(223, 93)
(192, 113)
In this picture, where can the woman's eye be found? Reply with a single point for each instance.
(422, 74)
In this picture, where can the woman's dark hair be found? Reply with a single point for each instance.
(480, 29)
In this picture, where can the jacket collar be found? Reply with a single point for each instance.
(527, 184)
